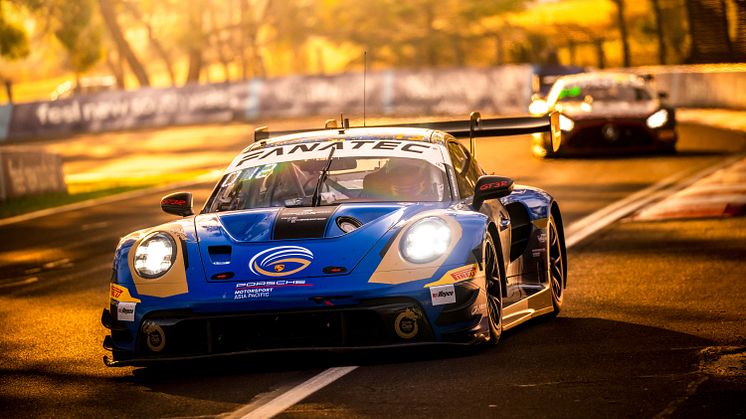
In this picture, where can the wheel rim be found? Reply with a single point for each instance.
(494, 290)
(556, 263)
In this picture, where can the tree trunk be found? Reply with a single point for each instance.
(195, 65)
(431, 52)
(154, 42)
(623, 31)
(458, 50)
(218, 43)
(499, 50)
(194, 50)
(601, 58)
(739, 43)
(571, 50)
(724, 7)
(110, 20)
(243, 7)
(659, 30)
(117, 69)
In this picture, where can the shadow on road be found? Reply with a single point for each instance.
(563, 350)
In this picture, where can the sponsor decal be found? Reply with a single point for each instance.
(126, 312)
(155, 337)
(302, 223)
(462, 273)
(444, 294)
(281, 261)
(493, 185)
(252, 293)
(121, 294)
(263, 289)
(177, 202)
(405, 324)
(300, 149)
(344, 148)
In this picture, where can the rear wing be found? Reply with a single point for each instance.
(472, 128)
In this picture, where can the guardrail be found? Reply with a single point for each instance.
(456, 91)
(701, 86)
(443, 91)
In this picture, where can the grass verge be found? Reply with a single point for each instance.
(44, 201)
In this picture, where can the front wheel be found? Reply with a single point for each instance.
(493, 287)
(557, 264)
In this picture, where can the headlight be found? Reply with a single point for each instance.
(426, 240)
(538, 107)
(155, 255)
(658, 119)
(565, 123)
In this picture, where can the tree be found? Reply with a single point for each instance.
(110, 20)
(739, 42)
(623, 31)
(13, 40)
(78, 35)
(425, 32)
(659, 30)
(165, 56)
(194, 38)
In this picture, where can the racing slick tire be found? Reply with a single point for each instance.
(556, 263)
(494, 278)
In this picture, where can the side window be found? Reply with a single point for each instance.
(467, 170)
(473, 171)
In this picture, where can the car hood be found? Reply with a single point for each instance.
(601, 110)
(292, 243)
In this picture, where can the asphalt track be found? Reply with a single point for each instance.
(644, 300)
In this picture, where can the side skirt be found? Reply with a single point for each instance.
(528, 308)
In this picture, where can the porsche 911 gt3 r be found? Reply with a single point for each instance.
(342, 238)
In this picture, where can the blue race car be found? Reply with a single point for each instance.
(342, 238)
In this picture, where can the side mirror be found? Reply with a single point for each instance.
(491, 187)
(538, 107)
(179, 203)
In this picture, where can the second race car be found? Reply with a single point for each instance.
(607, 113)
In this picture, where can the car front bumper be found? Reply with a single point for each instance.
(187, 334)
(601, 137)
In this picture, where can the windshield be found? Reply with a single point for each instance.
(599, 91)
(350, 179)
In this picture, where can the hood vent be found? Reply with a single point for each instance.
(220, 255)
(302, 223)
(348, 224)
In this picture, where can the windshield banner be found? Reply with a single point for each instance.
(343, 148)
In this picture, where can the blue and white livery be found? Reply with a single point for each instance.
(342, 238)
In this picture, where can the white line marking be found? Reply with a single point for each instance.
(596, 221)
(575, 233)
(30, 280)
(287, 399)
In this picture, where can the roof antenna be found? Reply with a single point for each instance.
(365, 76)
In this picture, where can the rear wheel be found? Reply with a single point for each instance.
(493, 288)
(557, 263)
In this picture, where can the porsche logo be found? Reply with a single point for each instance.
(281, 261)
